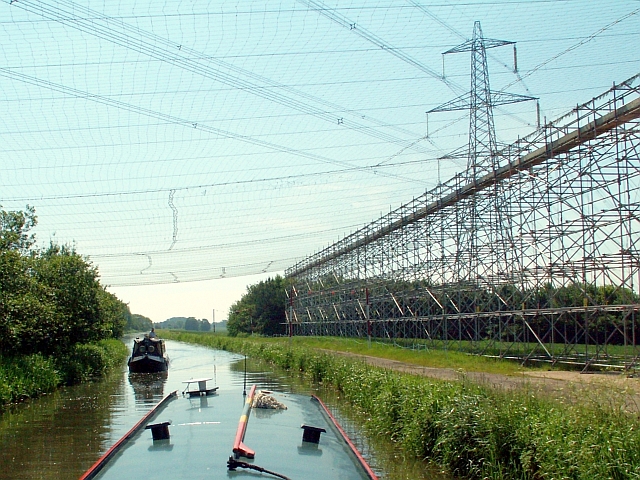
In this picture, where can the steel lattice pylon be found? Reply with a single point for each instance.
(480, 256)
(535, 257)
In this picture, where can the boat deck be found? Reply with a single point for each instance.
(202, 433)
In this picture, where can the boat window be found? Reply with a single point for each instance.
(143, 348)
(152, 349)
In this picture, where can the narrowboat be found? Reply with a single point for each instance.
(212, 433)
(148, 356)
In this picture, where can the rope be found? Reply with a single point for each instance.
(232, 463)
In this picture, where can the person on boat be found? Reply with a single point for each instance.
(152, 333)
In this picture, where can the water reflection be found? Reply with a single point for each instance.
(265, 412)
(62, 435)
(309, 449)
(58, 435)
(148, 388)
(198, 403)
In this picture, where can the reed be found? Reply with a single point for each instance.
(472, 430)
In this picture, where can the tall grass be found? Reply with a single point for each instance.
(23, 377)
(471, 430)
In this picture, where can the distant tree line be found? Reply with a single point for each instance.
(185, 323)
(50, 298)
(392, 300)
(262, 309)
(138, 323)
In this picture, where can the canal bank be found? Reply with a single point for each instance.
(471, 430)
(25, 377)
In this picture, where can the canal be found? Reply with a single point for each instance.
(59, 436)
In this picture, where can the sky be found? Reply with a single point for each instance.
(210, 299)
(189, 149)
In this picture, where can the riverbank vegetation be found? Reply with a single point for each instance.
(474, 431)
(260, 310)
(55, 316)
(29, 376)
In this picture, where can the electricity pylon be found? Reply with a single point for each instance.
(484, 241)
(480, 102)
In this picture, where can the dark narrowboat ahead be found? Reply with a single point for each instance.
(148, 356)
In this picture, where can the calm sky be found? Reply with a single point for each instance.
(190, 149)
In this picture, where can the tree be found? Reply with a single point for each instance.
(27, 309)
(14, 228)
(261, 310)
(191, 324)
(138, 323)
(73, 284)
(113, 314)
(50, 299)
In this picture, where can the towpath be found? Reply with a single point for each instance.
(615, 389)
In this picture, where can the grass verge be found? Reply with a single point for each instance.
(471, 430)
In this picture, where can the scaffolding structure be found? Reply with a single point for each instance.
(558, 281)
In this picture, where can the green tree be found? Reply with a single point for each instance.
(261, 310)
(138, 323)
(14, 228)
(191, 324)
(27, 310)
(113, 314)
(50, 300)
(73, 284)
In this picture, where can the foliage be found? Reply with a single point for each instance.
(28, 376)
(113, 314)
(261, 309)
(138, 323)
(473, 431)
(14, 228)
(172, 323)
(90, 360)
(192, 323)
(185, 323)
(50, 299)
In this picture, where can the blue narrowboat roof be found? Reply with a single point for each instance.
(202, 432)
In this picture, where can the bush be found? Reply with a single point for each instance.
(23, 377)
(87, 361)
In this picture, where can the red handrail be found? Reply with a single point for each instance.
(346, 438)
(239, 448)
(96, 467)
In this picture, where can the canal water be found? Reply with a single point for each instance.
(59, 436)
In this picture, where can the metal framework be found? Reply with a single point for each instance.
(559, 284)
